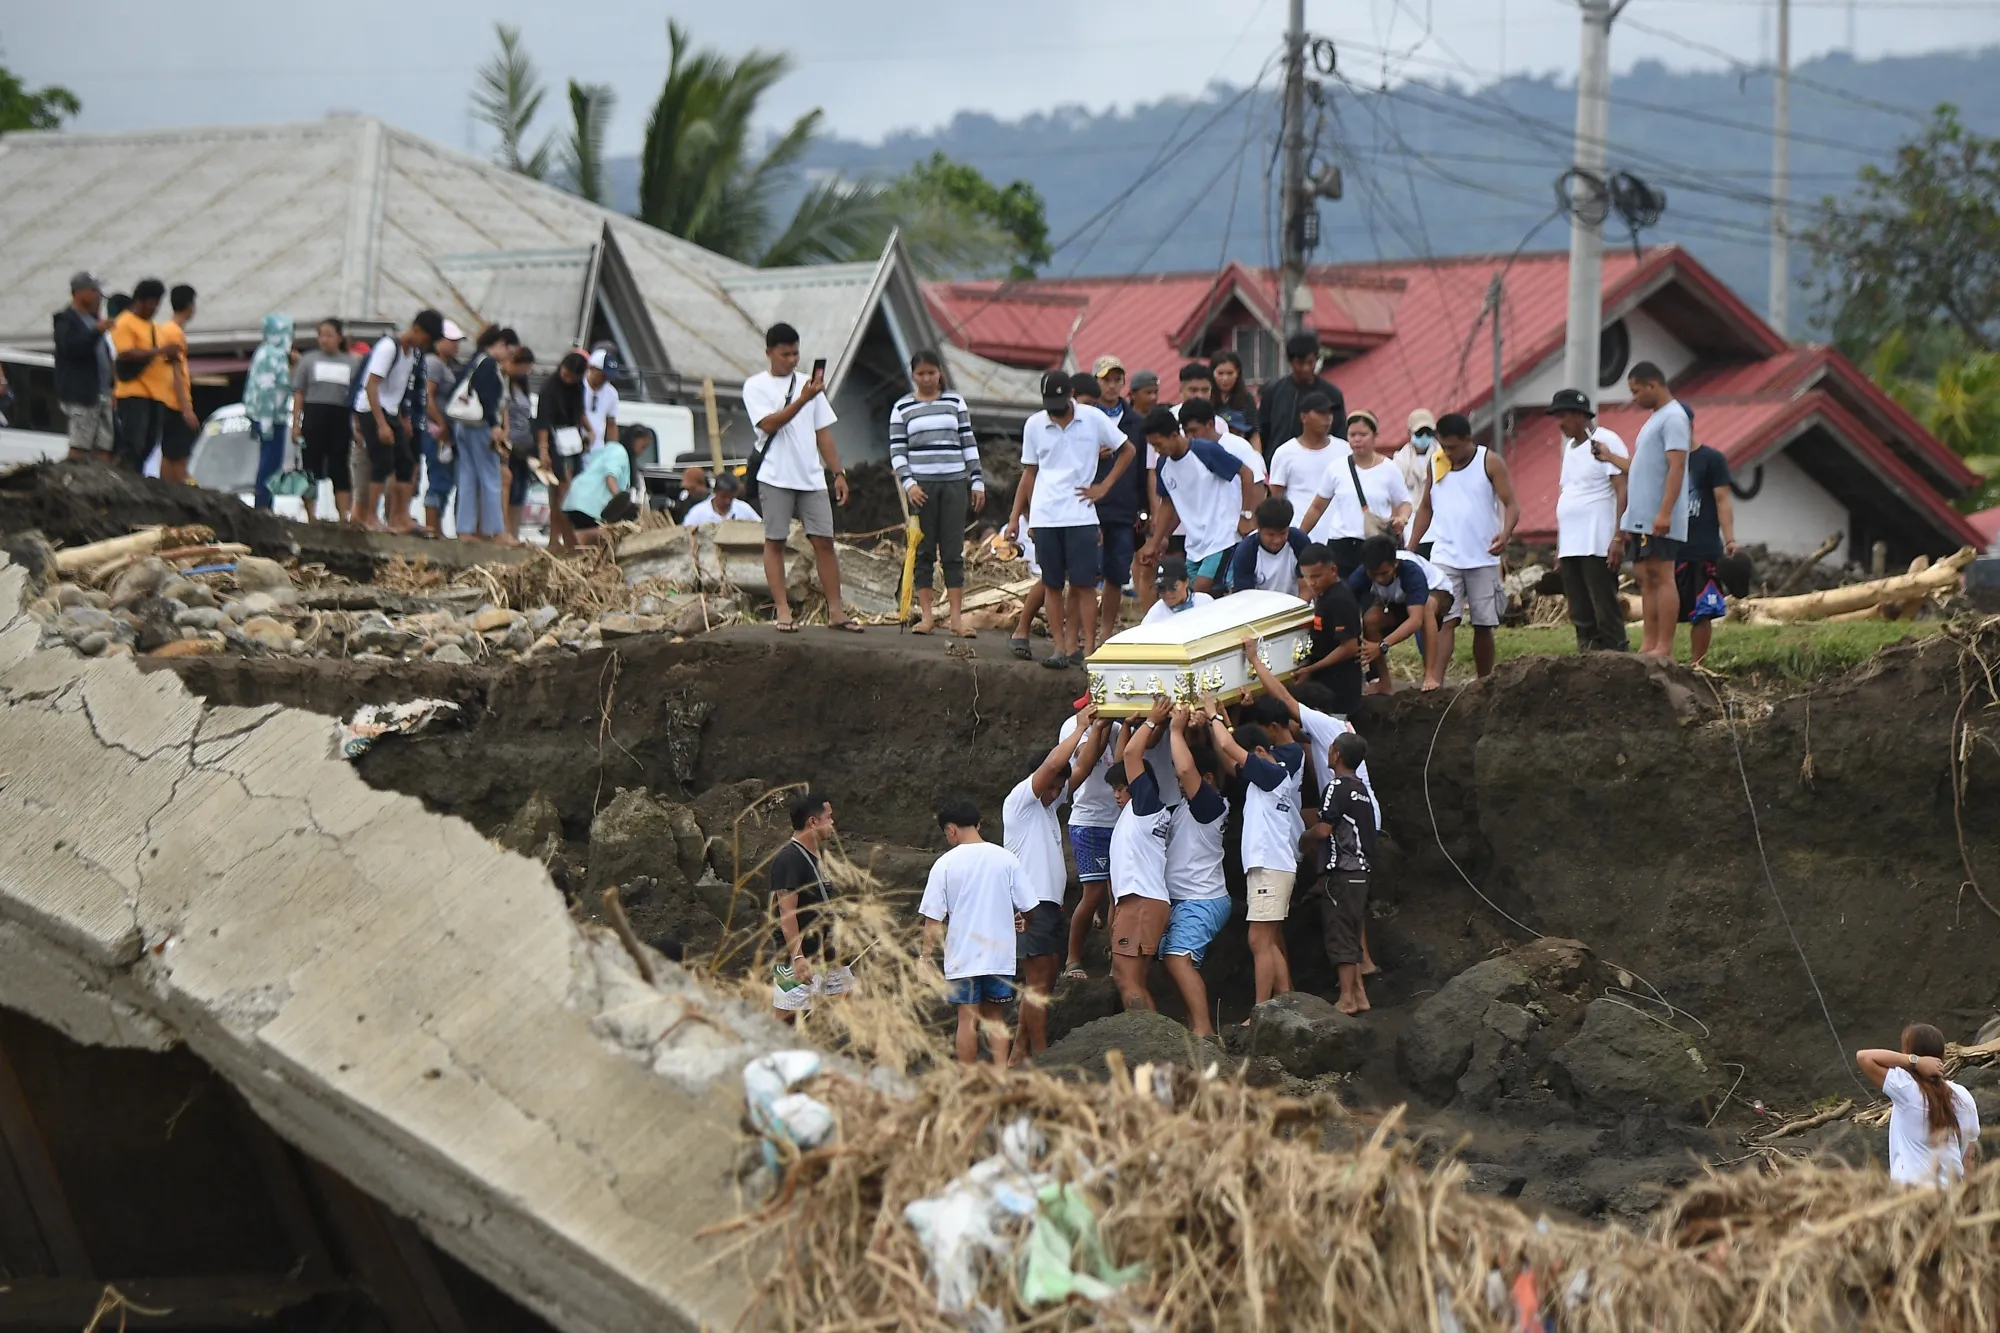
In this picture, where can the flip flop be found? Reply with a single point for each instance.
(849, 626)
(788, 626)
(969, 634)
(1075, 974)
(1020, 649)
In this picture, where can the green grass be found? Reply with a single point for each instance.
(1807, 652)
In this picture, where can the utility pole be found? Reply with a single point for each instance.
(1493, 295)
(1293, 198)
(1781, 173)
(1586, 235)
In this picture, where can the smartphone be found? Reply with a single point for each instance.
(819, 368)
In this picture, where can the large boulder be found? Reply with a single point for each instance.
(721, 813)
(1623, 1059)
(256, 574)
(532, 830)
(1142, 1036)
(1438, 1045)
(633, 835)
(1308, 1036)
(140, 580)
(1076, 1003)
(1536, 987)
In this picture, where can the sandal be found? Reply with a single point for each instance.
(849, 626)
(788, 626)
(1075, 973)
(919, 629)
(965, 634)
(1020, 649)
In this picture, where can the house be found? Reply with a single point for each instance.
(1815, 447)
(351, 217)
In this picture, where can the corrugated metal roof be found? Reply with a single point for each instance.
(540, 293)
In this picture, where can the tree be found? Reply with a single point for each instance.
(1916, 246)
(958, 223)
(590, 106)
(507, 96)
(1958, 402)
(42, 109)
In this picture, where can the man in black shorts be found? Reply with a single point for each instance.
(1711, 535)
(387, 411)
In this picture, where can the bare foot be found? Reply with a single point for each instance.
(1364, 1005)
(1378, 687)
(1347, 1006)
(1368, 968)
(1428, 686)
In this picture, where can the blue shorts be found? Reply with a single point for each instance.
(1192, 925)
(1092, 849)
(1120, 543)
(980, 990)
(1209, 566)
(1068, 556)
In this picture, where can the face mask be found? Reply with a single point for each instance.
(1422, 441)
(1057, 404)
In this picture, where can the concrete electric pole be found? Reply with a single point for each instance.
(1586, 227)
(1293, 199)
(1781, 174)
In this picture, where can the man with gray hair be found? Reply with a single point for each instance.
(83, 369)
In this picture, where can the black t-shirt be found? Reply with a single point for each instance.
(796, 870)
(1345, 807)
(1707, 469)
(1123, 502)
(1337, 620)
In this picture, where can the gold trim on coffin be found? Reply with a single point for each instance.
(1112, 654)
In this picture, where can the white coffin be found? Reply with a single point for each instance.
(1200, 652)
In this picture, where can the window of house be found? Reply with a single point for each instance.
(1259, 351)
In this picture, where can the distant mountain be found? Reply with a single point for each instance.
(1438, 169)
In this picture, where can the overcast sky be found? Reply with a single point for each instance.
(150, 63)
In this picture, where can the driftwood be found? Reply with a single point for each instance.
(1832, 1113)
(1855, 597)
(1826, 548)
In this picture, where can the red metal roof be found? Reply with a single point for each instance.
(1987, 523)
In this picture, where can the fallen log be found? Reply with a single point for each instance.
(1855, 597)
(1832, 1113)
(75, 559)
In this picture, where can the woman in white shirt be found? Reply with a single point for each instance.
(1933, 1125)
(1383, 489)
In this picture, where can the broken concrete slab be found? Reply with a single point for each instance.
(403, 1000)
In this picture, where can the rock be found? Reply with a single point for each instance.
(542, 617)
(257, 604)
(495, 618)
(532, 828)
(86, 620)
(690, 848)
(619, 625)
(1309, 1036)
(32, 552)
(518, 637)
(1622, 1059)
(188, 648)
(649, 605)
(1434, 1052)
(1511, 1021)
(118, 650)
(383, 639)
(761, 833)
(1142, 1035)
(94, 643)
(1076, 1003)
(697, 616)
(262, 626)
(179, 589)
(140, 580)
(1564, 1193)
(198, 593)
(632, 835)
(1492, 1178)
(452, 655)
(155, 622)
(200, 617)
(542, 645)
(73, 595)
(254, 574)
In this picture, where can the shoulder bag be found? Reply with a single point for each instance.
(750, 489)
(465, 405)
(1372, 523)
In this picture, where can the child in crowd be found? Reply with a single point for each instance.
(1269, 557)
(977, 899)
(1347, 823)
(1401, 595)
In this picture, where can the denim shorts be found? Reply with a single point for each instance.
(1192, 926)
(980, 990)
(1120, 542)
(1069, 557)
(1092, 849)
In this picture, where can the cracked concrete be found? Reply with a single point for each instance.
(394, 994)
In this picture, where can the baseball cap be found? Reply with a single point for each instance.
(1144, 379)
(452, 333)
(1105, 365)
(604, 359)
(1421, 419)
(1571, 400)
(430, 321)
(1055, 384)
(1172, 570)
(84, 281)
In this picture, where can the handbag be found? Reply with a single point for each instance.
(465, 405)
(1372, 523)
(750, 488)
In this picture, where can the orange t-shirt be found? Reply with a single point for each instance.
(130, 333)
(172, 334)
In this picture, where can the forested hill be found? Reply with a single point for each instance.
(1439, 168)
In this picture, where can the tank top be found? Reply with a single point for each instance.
(1464, 516)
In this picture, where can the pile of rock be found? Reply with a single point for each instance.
(251, 606)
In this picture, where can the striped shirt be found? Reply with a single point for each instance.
(931, 440)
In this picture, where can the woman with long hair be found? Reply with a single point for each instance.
(1233, 398)
(1933, 1124)
(562, 433)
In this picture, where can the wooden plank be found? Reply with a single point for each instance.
(430, 1284)
(246, 1300)
(358, 1221)
(22, 1249)
(277, 1167)
(39, 1181)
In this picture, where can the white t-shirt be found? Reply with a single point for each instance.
(1247, 453)
(1320, 729)
(1277, 571)
(1139, 843)
(1065, 458)
(1299, 469)
(1161, 611)
(1093, 804)
(1342, 515)
(1034, 835)
(792, 460)
(1207, 503)
(1587, 509)
(1383, 486)
(1194, 851)
(975, 889)
(387, 359)
(1272, 822)
(1914, 1157)
(600, 406)
(704, 513)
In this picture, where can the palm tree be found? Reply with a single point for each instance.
(700, 179)
(507, 96)
(590, 105)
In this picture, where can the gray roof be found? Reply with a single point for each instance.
(351, 217)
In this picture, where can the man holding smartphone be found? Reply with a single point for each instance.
(794, 451)
(1589, 546)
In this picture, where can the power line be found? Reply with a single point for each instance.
(1799, 79)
